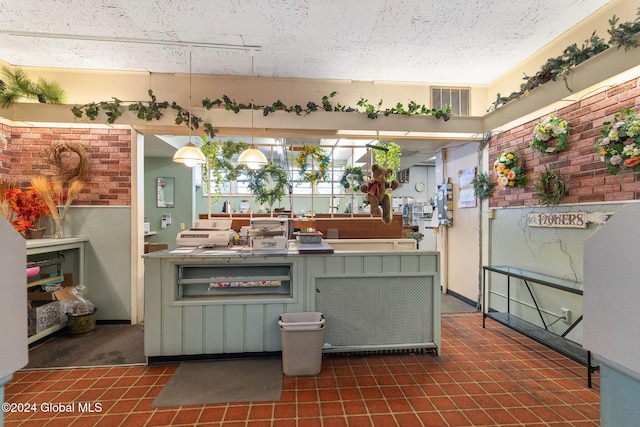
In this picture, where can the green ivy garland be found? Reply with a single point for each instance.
(320, 159)
(154, 110)
(267, 184)
(372, 111)
(352, 178)
(549, 187)
(483, 186)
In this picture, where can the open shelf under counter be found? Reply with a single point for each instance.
(205, 282)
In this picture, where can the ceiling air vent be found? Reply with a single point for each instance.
(458, 98)
(403, 176)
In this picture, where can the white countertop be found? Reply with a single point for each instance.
(50, 241)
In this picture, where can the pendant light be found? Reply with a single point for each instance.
(189, 155)
(252, 157)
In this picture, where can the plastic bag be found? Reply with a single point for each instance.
(78, 305)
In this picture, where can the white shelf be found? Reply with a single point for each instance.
(46, 332)
(51, 245)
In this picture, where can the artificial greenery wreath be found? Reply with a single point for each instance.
(352, 178)
(267, 184)
(552, 127)
(550, 187)
(219, 167)
(483, 186)
(319, 159)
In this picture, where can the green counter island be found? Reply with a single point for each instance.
(376, 294)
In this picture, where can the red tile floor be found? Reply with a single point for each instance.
(484, 377)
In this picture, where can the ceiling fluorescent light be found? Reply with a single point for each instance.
(458, 136)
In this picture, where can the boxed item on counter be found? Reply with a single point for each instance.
(154, 247)
(309, 237)
(270, 243)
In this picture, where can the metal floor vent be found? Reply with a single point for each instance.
(419, 351)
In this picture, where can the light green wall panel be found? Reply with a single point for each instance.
(214, 335)
(155, 167)
(107, 257)
(557, 252)
(193, 323)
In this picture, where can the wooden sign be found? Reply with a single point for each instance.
(566, 219)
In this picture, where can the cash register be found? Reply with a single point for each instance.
(206, 233)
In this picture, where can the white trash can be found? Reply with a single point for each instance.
(302, 337)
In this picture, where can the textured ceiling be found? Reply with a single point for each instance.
(446, 42)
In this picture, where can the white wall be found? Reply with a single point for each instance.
(463, 238)
(13, 304)
(611, 291)
(418, 173)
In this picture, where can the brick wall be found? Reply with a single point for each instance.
(109, 153)
(584, 174)
(5, 159)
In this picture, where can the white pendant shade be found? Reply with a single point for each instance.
(189, 155)
(252, 158)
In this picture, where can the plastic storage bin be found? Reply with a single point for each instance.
(302, 336)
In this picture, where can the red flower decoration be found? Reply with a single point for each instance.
(28, 207)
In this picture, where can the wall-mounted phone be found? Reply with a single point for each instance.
(444, 204)
(165, 220)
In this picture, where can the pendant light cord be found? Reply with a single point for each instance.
(252, 100)
(190, 74)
